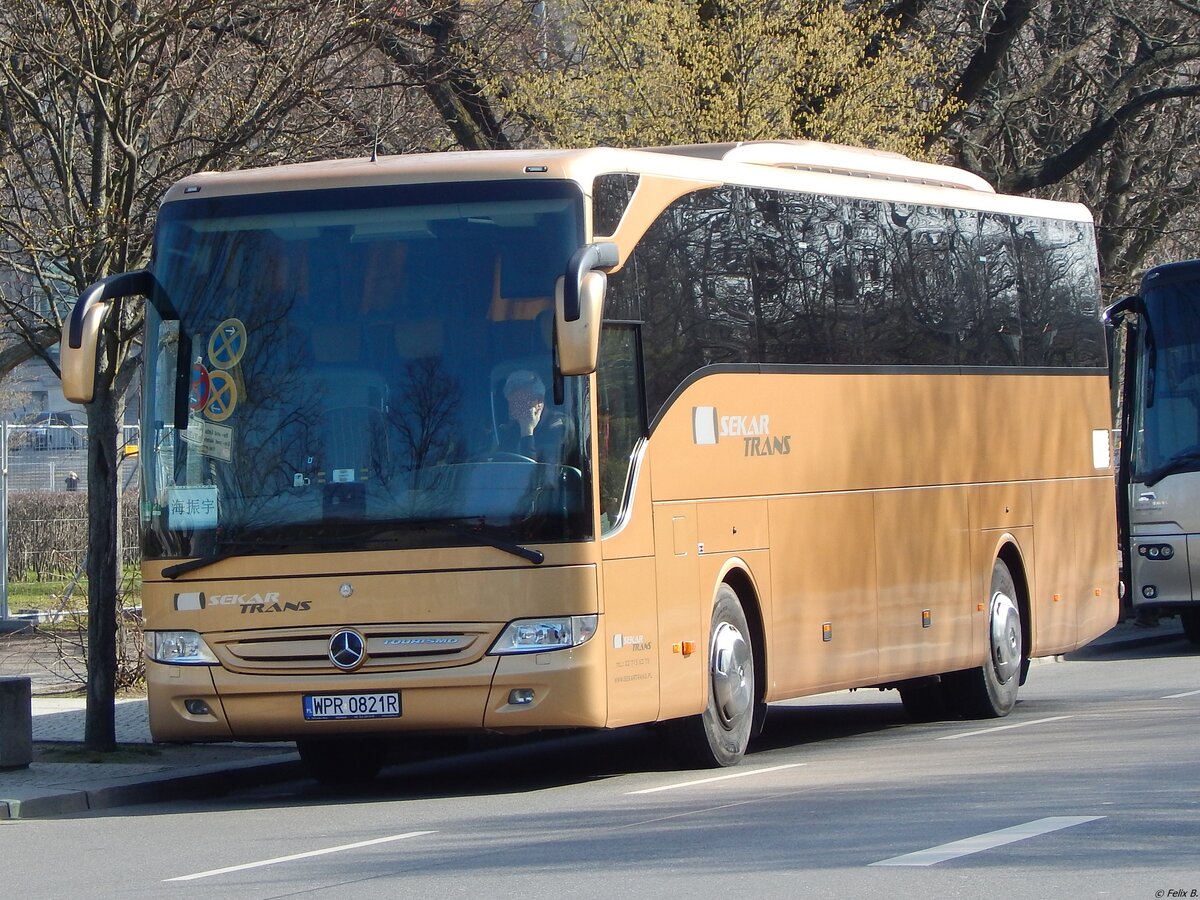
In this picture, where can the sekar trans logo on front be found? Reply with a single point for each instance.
(709, 427)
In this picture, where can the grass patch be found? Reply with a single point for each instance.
(73, 753)
(47, 595)
(39, 595)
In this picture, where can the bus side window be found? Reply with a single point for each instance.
(622, 420)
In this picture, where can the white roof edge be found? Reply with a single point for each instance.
(816, 156)
(786, 165)
(812, 156)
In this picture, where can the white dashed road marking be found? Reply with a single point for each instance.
(294, 856)
(987, 841)
(1178, 696)
(963, 734)
(738, 774)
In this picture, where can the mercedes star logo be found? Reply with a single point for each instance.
(347, 649)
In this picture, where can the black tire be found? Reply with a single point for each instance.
(1191, 624)
(718, 736)
(926, 702)
(343, 760)
(990, 691)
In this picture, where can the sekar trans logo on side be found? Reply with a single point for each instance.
(709, 427)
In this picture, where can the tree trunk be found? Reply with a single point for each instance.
(103, 568)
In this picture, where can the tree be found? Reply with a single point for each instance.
(444, 49)
(639, 73)
(102, 106)
(1090, 100)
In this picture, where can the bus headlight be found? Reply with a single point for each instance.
(179, 648)
(548, 633)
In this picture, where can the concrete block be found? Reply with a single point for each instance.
(16, 722)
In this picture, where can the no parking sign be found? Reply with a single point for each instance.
(227, 344)
(201, 387)
(224, 396)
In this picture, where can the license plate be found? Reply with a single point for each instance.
(352, 706)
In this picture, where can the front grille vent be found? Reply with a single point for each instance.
(389, 649)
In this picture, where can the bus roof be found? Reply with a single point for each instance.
(816, 156)
(810, 166)
(1171, 273)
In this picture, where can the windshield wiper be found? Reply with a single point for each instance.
(245, 547)
(469, 529)
(537, 557)
(239, 548)
(1185, 461)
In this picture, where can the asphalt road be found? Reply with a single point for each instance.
(1090, 788)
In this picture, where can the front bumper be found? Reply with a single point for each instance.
(567, 692)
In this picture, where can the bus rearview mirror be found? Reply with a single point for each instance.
(81, 332)
(579, 340)
(78, 364)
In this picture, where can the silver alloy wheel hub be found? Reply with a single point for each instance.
(732, 672)
(1006, 637)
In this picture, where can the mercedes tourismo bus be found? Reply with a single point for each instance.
(1157, 387)
(557, 439)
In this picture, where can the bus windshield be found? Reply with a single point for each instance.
(362, 367)
(1167, 411)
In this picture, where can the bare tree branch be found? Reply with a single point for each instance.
(1052, 170)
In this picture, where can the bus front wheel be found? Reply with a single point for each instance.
(990, 691)
(719, 735)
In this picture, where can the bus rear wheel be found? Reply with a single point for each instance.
(990, 691)
(719, 735)
(343, 760)
(926, 701)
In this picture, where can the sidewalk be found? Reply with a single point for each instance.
(61, 780)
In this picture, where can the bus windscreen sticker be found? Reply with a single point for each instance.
(192, 507)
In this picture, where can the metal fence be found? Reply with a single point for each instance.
(43, 520)
(54, 458)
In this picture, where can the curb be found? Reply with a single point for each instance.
(200, 781)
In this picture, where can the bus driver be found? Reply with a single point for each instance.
(529, 431)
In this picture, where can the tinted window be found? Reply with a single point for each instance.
(749, 275)
(610, 197)
(363, 368)
(621, 422)
(689, 280)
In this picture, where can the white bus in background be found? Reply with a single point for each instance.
(1156, 376)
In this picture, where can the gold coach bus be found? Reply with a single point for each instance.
(558, 439)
